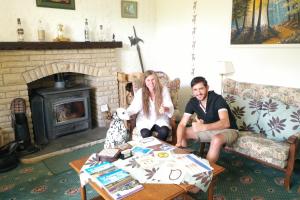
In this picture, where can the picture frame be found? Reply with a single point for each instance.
(264, 24)
(129, 9)
(61, 4)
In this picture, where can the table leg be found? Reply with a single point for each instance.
(83, 192)
(210, 191)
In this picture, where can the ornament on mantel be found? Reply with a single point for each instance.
(60, 34)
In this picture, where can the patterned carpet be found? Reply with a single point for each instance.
(53, 179)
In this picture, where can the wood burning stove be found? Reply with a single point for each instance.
(60, 111)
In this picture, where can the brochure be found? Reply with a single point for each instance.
(149, 141)
(193, 164)
(137, 150)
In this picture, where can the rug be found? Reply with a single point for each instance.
(59, 164)
(53, 179)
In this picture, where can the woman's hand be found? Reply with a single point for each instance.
(163, 109)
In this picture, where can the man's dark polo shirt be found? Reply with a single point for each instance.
(215, 102)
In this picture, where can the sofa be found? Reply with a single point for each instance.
(129, 83)
(268, 118)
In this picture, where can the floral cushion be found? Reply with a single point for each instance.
(245, 110)
(279, 121)
(257, 146)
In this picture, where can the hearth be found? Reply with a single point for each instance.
(60, 111)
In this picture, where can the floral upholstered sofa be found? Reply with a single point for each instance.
(135, 81)
(268, 118)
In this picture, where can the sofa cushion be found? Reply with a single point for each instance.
(279, 121)
(257, 146)
(245, 110)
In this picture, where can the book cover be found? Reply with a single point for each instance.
(126, 189)
(112, 177)
(119, 183)
(100, 169)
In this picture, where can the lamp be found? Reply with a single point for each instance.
(224, 68)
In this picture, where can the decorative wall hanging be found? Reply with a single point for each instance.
(129, 9)
(194, 19)
(62, 4)
(265, 22)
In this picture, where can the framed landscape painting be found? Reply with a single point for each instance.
(265, 22)
(62, 4)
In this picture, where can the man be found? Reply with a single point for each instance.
(215, 122)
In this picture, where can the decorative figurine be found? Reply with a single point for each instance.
(60, 34)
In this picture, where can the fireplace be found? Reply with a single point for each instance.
(60, 111)
(27, 66)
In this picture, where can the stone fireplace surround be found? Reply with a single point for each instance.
(97, 67)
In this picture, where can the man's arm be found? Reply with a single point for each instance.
(223, 123)
(181, 128)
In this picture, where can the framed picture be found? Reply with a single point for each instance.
(129, 9)
(62, 4)
(257, 22)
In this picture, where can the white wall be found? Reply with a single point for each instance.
(165, 26)
(276, 64)
(106, 12)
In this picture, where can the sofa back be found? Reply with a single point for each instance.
(272, 111)
(290, 96)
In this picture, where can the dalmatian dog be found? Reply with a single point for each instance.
(117, 134)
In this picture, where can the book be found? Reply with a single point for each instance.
(119, 184)
(109, 154)
(100, 169)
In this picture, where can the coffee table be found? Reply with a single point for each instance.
(150, 191)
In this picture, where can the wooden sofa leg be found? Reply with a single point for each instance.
(202, 148)
(290, 166)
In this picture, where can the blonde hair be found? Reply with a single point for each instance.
(146, 93)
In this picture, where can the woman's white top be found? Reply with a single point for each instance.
(142, 121)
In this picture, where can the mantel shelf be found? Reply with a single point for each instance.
(58, 45)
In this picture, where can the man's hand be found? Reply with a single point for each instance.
(198, 125)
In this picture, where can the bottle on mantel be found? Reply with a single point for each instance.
(20, 31)
(86, 31)
(41, 32)
(101, 33)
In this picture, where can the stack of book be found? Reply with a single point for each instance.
(117, 182)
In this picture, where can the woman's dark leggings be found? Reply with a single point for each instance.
(163, 132)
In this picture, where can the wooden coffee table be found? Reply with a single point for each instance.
(150, 191)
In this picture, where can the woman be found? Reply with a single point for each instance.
(154, 107)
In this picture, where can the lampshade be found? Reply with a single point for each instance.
(225, 67)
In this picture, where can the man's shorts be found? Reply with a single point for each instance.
(230, 135)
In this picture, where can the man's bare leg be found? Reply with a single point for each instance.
(215, 147)
(189, 134)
